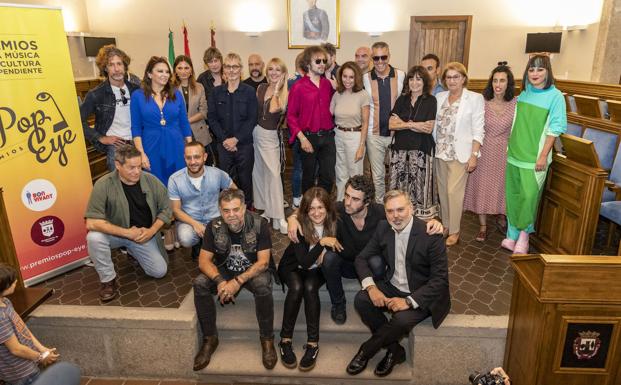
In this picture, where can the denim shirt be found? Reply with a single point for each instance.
(232, 114)
(201, 205)
(102, 102)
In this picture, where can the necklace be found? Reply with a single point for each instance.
(162, 119)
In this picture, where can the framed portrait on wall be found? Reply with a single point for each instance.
(313, 22)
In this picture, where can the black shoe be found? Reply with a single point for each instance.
(339, 313)
(287, 356)
(196, 250)
(357, 364)
(310, 357)
(268, 353)
(204, 354)
(390, 360)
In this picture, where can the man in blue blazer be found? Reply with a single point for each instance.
(414, 287)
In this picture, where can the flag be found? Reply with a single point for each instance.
(171, 48)
(186, 43)
(213, 35)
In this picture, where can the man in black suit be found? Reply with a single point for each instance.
(415, 284)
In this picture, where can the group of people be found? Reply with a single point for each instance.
(447, 148)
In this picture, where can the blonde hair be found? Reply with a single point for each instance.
(455, 66)
(283, 92)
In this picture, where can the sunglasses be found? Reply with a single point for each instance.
(382, 58)
(319, 61)
(123, 97)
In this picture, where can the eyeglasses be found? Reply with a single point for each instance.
(233, 67)
(382, 58)
(454, 77)
(124, 99)
(319, 61)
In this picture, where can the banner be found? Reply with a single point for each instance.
(44, 169)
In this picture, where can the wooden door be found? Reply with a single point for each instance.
(446, 36)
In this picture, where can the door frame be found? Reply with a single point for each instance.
(418, 19)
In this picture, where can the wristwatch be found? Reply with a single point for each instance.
(476, 153)
(409, 302)
(43, 356)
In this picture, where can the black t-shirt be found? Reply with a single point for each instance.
(352, 239)
(254, 84)
(237, 261)
(423, 110)
(139, 211)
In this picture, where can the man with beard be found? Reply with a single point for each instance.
(255, 69)
(193, 193)
(310, 120)
(359, 216)
(235, 254)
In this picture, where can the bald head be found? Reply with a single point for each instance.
(363, 58)
(255, 66)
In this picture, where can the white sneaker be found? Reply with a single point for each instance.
(275, 224)
(282, 223)
(285, 204)
(297, 201)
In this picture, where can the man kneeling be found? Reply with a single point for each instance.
(235, 254)
(127, 208)
(415, 284)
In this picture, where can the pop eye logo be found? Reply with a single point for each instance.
(39, 195)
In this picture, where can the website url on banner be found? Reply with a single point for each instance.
(54, 257)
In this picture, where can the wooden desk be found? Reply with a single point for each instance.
(26, 300)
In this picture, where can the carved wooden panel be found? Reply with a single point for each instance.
(446, 36)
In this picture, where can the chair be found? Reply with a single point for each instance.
(605, 144)
(588, 106)
(570, 102)
(574, 129)
(614, 110)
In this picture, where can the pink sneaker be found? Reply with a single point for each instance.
(508, 244)
(521, 246)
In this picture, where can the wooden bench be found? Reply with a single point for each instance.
(614, 110)
(588, 106)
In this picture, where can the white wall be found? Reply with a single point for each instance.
(499, 28)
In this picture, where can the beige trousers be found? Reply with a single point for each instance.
(452, 177)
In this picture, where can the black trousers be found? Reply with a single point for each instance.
(302, 284)
(324, 155)
(335, 268)
(260, 286)
(386, 333)
(238, 164)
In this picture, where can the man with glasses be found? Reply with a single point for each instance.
(232, 116)
(384, 84)
(109, 101)
(309, 120)
(431, 63)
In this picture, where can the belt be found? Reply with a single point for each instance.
(350, 129)
(319, 133)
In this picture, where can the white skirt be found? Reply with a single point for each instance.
(266, 181)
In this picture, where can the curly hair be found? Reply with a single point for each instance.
(105, 54)
(362, 183)
(329, 224)
(308, 53)
(358, 85)
(488, 92)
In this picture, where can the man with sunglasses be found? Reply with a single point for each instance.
(384, 84)
(310, 120)
(109, 101)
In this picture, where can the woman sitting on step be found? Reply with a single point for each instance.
(299, 270)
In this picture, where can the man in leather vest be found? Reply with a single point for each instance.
(235, 254)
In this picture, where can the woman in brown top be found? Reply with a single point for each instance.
(266, 179)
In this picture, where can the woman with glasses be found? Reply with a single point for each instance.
(540, 117)
(350, 107)
(194, 98)
(266, 180)
(300, 270)
(485, 190)
(411, 155)
(458, 132)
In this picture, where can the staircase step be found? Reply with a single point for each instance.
(239, 360)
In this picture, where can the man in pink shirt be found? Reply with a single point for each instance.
(309, 119)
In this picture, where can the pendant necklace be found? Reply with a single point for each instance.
(162, 119)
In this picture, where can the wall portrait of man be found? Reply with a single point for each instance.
(312, 22)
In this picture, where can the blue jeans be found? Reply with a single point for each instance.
(296, 175)
(147, 254)
(186, 234)
(59, 373)
(110, 151)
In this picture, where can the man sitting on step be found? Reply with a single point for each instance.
(235, 254)
(358, 218)
(193, 193)
(414, 286)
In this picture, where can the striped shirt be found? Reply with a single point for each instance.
(13, 368)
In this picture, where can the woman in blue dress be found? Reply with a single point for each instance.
(160, 123)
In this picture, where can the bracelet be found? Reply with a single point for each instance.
(239, 281)
(218, 279)
(43, 356)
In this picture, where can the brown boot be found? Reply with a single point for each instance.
(107, 291)
(268, 353)
(204, 353)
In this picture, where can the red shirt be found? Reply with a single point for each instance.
(308, 107)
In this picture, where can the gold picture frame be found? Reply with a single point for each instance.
(312, 22)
